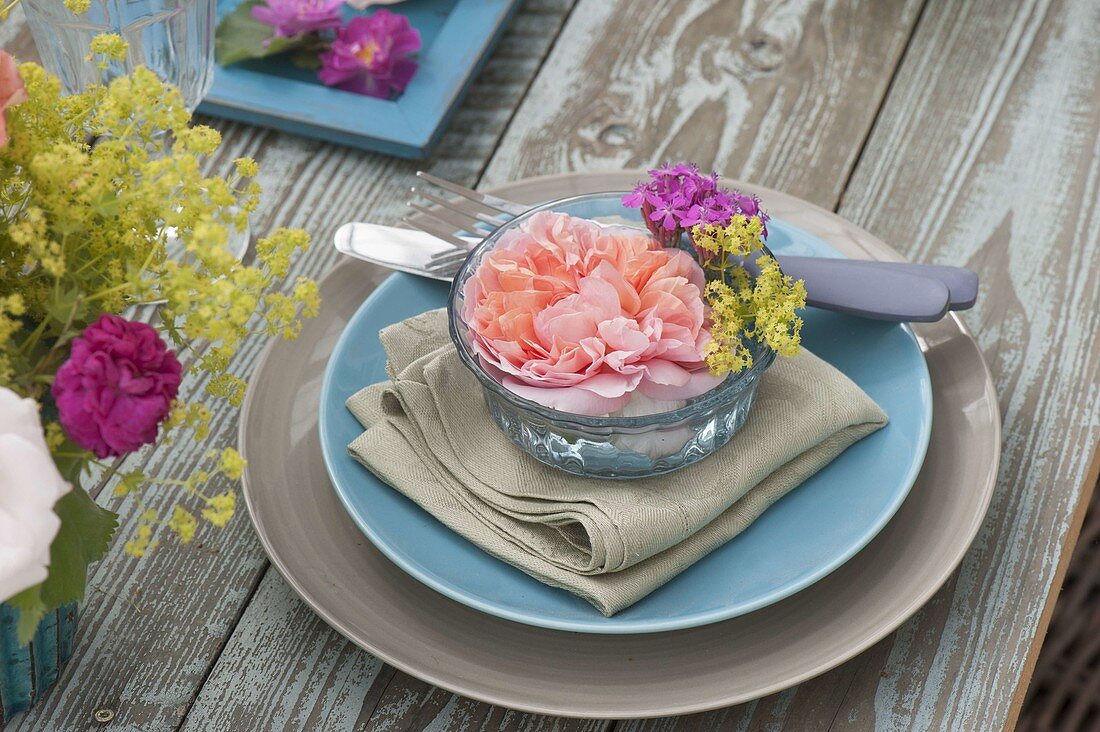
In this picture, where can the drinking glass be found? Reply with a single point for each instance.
(172, 38)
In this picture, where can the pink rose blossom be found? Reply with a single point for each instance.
(117, 386)
(371, 55)
(12, 91)
(294, 17)
(577, 316)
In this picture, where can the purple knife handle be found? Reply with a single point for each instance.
(881, 293)
(961, 282)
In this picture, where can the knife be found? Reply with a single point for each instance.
(896, 291)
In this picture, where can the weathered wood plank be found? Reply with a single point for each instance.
(986, 154)
(1026, 130)
(817, 705)
(153, 628)
(782, 93)
(285, 669)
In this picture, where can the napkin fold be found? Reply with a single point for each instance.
(429, 435)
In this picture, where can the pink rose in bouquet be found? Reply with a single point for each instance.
(291, 18)
(577, 316)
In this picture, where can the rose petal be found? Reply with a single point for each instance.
(573, 400)
(701, 382)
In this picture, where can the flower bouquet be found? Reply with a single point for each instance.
(94, 185)
(627, 350)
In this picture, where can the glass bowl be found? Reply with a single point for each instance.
(606, 447)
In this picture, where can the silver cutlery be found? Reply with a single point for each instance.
(449, 229)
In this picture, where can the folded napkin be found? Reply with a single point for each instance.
(429, 435)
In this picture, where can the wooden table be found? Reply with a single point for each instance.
(960, 132)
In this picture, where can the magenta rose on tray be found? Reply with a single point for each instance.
(371, 54)
(291, 18)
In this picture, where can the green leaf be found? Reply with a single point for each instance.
(86, 531)
(72, 464)
(31, 611)
(306, 57)
(240, 37)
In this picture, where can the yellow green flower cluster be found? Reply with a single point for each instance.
(84, 230)
(217, 508)
(762, 308)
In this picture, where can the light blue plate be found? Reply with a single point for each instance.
(799, 540)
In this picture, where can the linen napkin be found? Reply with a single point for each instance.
(429, 435)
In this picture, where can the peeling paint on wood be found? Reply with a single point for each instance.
(987, 153)
(782, 94)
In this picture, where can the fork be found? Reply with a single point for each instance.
(447, 220)
(874, 289)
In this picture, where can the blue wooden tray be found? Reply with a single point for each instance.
(457, 37)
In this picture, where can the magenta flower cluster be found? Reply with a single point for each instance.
(117, 386)
(369, 55)
(677, 197)
(291, 18)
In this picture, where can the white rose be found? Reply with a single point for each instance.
(30, 485)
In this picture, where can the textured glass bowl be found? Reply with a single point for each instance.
(606, 447)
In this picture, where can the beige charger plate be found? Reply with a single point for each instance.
(372, 602)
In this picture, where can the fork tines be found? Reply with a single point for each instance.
(454, 222)
(490, 202)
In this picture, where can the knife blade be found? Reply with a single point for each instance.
(406, 250)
